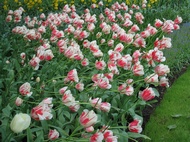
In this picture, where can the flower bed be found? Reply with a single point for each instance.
(83, 77)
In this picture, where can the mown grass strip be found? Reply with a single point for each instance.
(171, 120)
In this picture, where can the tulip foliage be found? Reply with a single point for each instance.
(87, 75)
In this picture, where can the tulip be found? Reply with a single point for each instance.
(20, 122)
(53, 134)
(89, 129)
(25, 89)
(18, 101)
(88, 118)
(135, 126)
(105, 106)
(97, 137)
(96, 102)
(147, 94)
(162, 70)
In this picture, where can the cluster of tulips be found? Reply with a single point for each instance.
(107, 64)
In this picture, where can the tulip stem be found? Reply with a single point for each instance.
(118, 127)
(30, 102)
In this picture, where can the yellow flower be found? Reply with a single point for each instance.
(149, 5)
(127, 2)
(5, 7)
(5, 2)
(56, 4)
(94, 1)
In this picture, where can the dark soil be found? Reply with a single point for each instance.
(148, 110)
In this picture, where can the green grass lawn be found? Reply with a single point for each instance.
(171, 120)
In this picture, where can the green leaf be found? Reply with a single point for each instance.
(170, 127)
(40, 136)
(11, 74)
(156, 92)
(36, 129)
(176, 115)
(77, 129)
(7, 111)
(29, 135)
(122, 136)
(137, 135)
(67, 114)
(44, 125)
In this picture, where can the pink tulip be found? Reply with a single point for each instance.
(164, 82)
(153, 78)
(103, 83)
(96, 102)
(138, 69)
(158, 23)
(97, 137)
(48, 55)
(53, 134)
(111, 139)
(147, 94)
(9, 18)
(119, 47)
(79, 86)
(74, 106)
(105, 106)
(162, 69)
(139, 17)
(89, 129)
(88, 118)
(113, 67)
(168, 26)
(85, 62)
(62, 90)
(25, 89)
(136, 55)
(68, 98)
(72, 75)
(126, 38)
(139, 42)
(41, 112)
(178, 20)
(18, 101)
(135, 126)
(100, 65)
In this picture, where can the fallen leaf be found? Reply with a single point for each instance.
(170, 127)
(176, 115)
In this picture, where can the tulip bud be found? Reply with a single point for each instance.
(38, 79)
(20, 122)
(89, 129)
(7, 62)
(18, 101)
(53, 134)
(97, 137)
